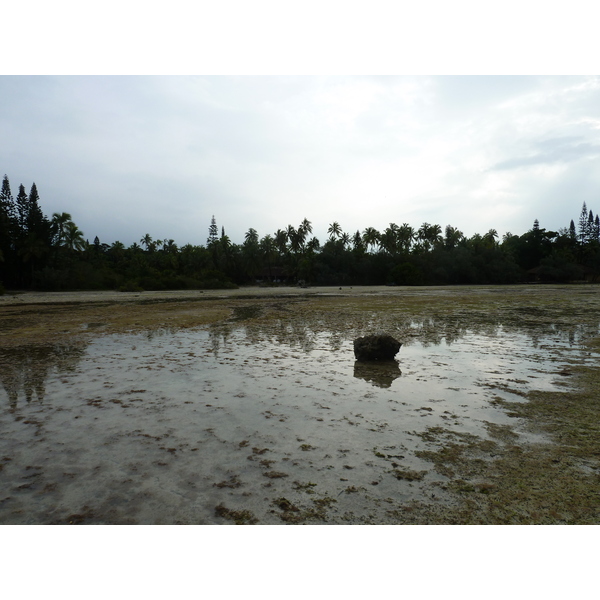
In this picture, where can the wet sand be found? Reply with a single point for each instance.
(247, 406)
(178, 295)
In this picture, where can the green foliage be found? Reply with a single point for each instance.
(406, 274)
(130, 286)
(53, 255)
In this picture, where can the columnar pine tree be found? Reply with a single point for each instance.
(572, 231)
(583, 224)
(7, 214)
(213, 232)
(22, 206)
(36, 222)
(7, 202)
(591, 228)
(7, 227)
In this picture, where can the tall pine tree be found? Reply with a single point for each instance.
(583, 224)
(7, 202)
(7, 214)
(36, 222)
(572, 230)
(591, 228)
(22, 209)
(7, 229)
(213, 232)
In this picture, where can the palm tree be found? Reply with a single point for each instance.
(313, 245)
(453, 237)
(294, 239)
(489, 238)
(306, 226)
(429, 236)
(334, 231)
(357, 242)
(57, 226)
(251, 253)
(345, 239)
(303, 230)
(281, 240)
(251, 237)
(406, 236)
(170, 246)
(371, 237)
(73, 237)
(389, 239)
(147, 241)
(268, 250)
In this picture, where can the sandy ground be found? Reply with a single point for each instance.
(249, 291)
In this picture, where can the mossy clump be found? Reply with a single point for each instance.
(233, 483)
(409, 474)
(293, 514)
(285, 505)
(275, 474)
(239, 517)
(305, 487)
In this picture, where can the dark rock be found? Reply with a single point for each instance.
(376, 347)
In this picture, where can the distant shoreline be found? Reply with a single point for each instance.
(27, 297)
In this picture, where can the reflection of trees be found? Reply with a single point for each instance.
(288, 333)
(25, 369)
(308, 331)
(218, 335)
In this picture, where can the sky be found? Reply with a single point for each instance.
(130, 155)
(278, 124)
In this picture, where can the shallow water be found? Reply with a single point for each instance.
(166, 426)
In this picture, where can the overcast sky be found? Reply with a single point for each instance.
(129, 155)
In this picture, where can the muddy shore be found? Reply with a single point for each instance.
(246, 406)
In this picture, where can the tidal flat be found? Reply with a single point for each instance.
(248, 407)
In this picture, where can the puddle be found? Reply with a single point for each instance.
(255, 421)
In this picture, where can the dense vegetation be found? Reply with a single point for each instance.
(52, 254)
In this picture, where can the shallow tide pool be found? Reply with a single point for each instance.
(253, 422)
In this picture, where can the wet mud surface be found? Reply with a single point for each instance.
(251, 409)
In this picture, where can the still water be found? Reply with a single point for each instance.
(167, 426)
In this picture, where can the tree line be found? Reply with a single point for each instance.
(52, 254)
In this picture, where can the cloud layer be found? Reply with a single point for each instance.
(133, 155)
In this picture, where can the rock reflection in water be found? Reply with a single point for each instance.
(380, 373)
(24, 370)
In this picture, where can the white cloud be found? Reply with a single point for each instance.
(131, 155)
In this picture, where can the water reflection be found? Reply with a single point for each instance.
(307, 333)
(381, 374)
(24, 370)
